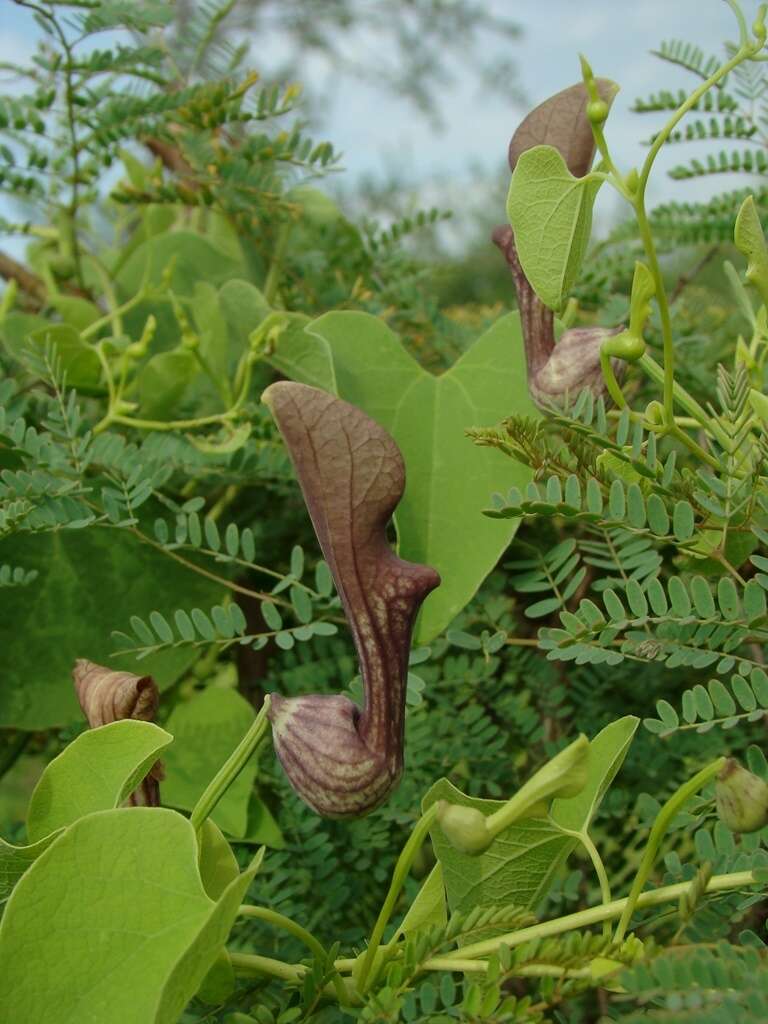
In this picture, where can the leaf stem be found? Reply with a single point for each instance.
(660, 826)
(250, 963)
(309, 940)
(597, 862)
(231, 768)
(260, 595)
(403, 866)
(687, 401)
(272, 282)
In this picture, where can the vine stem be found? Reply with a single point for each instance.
(314, 945)
(130, 421)
(597, 863)
(688, 402)
(594, 915)
(231, 768)
(660, 826)
(646, 236)
(403, 866)
(250, 963)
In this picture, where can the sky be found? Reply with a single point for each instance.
(379, 133)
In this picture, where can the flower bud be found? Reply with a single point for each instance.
(741, 798)
(632, 180)
(654, 413)
(464, 827)
(597, 112)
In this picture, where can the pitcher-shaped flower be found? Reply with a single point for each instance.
(345, 760)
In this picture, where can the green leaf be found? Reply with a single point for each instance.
(162, 382)
(191, 259)
(96, 772)
(728, 598)
(217, 862)
(606, 756)
(301, 357)
(516, 868)
(428, 908)
(520, 863)
(219, 983)
(15, 328)
(750, 240)
(551, 214)
(187, 258)
(682, 520)
(116, 923)
(243, 307)
(76, 311)
(206, 729)
(212, 329)
(14, 861)
(542, 608)
(79, 573)
(78, 359)
(447, 478)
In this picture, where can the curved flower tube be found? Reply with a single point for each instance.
(344, 760)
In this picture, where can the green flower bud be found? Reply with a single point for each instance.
(136, 350)
(124, 408)
(654, 413)
(626, 345)
(464, 827)
(741, 798)
(597, 112)
(632, 180)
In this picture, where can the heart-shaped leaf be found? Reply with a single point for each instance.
(448, 479)
(301, 357)
(552, 235)
(606, 756)
(112, 923)
(551, 213)
(94, 773)
(515, 869)
(519, 864)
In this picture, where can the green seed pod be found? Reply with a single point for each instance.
(741, 798)
(464, 827)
